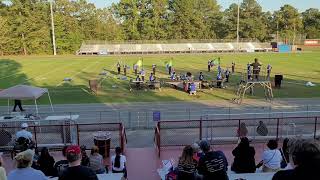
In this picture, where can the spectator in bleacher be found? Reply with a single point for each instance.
(271, 158)
(85, 160)
(75, 170)
(63, 164)
(46, 162)
(24, 170)
(285, 153)
(242, 130)
(305, 158)
(36, 156)
(119, 162)
(244, 161)
(96, 161)
(213, 165)
(187, 166)
(262, 129)
(3, 175)
(197, 152)
(24, 133)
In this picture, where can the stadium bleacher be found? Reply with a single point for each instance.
(96, 49)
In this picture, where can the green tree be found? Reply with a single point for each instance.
(153, 17)
(252, 24)
(289, 23)
(127, 13)
(107, 28)
(211, 16)
(311, 22)
(186, 21)
(67, 29)
(4, 33)
(29, 27)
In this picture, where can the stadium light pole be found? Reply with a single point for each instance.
(238, 24)
(53, 33)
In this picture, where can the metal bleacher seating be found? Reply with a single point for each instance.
(96, 49)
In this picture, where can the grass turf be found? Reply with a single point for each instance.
(49, 71)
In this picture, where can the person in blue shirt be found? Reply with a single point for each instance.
(173, 76)
(135, 68)
(192, 88)
(152, 78)
(219, 80)
(143, 74)
(24, 171)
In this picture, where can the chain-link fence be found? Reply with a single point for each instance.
(57, 135)
(225, 131)
(144, 118)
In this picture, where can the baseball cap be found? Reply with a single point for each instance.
(73, 149)
(26, 155)
(24, 125)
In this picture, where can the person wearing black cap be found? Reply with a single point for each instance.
(213, 165)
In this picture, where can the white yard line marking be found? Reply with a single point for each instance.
(54, 70)
(20, 73)
(79, 72)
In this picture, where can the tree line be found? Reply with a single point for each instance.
(25, 25)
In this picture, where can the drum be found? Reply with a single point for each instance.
(102, 140)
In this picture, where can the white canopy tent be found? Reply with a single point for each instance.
(24, 92)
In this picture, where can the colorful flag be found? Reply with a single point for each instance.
(216, 61)
(139, 63)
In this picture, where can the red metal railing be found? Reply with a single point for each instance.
(56, 136)
(223, 131)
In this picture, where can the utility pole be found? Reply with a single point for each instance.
(53, 33)
(277, 31)
(238, 23)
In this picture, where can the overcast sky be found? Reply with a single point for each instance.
(267, 5)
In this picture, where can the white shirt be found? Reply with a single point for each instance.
(24, 133)
(272, 158)
(123, 160)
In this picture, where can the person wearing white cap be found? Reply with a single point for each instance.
(24, 133)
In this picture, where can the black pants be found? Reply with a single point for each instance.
(154, 71)
(170, 70)
(209, 67)
(124, 172)
(125, 72)
(227, 78)
(17, 103)
(219, 84)
(119, 70)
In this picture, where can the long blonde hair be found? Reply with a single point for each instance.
(187, 155)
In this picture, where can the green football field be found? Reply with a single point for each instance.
(49, 72)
